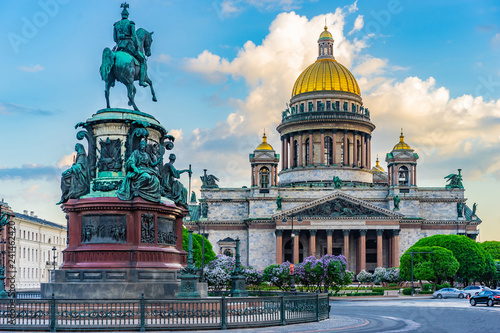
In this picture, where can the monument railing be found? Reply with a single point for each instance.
(321, 115)
(175, 314)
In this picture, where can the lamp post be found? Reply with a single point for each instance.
(292, 287)
(54, 257)
(3, 293)
(411, 253)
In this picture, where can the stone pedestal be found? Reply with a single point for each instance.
(120, 249)
(238, 286)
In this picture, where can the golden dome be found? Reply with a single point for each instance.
(377, 166)
(264, 145)
(402, 144)
(325, 74)
(326, 34)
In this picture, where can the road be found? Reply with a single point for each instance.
(394, 316)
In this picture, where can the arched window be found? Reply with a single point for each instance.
(328, 151)
(49, 240)
(331, 50)
(358, 153)
(228, 252)
(307, 152)
(264, 177)
(403, 176)
(295, 153)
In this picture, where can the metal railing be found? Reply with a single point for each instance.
(175, 314)
(313, 115)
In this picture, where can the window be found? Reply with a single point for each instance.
(328, 106)
(328, 151)
(345, 106)
(24, 253)
(320, 106)
(49, 240)
(337, 106)
(295, 153)
(403, 176)
(302, 107)
(264, 177)
(311, 106)
(341, 150)
(308, 160)
(353, 107)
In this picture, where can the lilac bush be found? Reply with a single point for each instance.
(335, 273)
(253, 277)
(309, 273)
(392, 275)
(218, 272)
(278, 275)
(364, 277)
(378, 275)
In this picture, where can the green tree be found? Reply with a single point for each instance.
(469, 254)
(197, 247)
(493, 248)
(435, 267)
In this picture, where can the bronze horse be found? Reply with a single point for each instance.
(123, 67)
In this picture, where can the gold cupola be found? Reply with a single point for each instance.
(402, 145)
(264, 145)
(377, 166)
(326, 74)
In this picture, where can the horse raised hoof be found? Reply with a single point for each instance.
(154, 99)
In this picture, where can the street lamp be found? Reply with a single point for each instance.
(411, 252)
(3, 261)
(292, 287)
(54, 257)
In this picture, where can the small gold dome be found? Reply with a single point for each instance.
(402, 144)
(326, 74)
(264, 145)
(326, 34)
(377, 166)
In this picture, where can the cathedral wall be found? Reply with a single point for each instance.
(223, 211)
(262, 248)
(225, 193)
(438, 210)
(262, 208)
(325, 173)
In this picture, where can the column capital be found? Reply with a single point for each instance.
(395, 232)
(380, 232)
(329, 232)
(346, 232)
(322, 131)
(334, 131)
(310, 131)
(312, 232)
(362, 232)
(355, 132)
(345, 131)
(299, 132)
(278, 232)
(295, 233)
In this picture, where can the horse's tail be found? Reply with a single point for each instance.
(108, 59)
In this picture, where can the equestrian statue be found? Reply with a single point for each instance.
(126, 63)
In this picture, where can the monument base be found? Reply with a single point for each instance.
(115, 284)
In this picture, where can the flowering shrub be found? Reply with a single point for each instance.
(218, 272)
(253, 276)
(278, 275)
(378, 275)
(392, 275)
(335, 273)
(364, 277)
(309, 273)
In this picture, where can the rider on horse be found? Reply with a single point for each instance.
(126, 40)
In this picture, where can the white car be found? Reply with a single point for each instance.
(449, 292)
(473, 290)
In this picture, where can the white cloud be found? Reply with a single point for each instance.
(228, 8)
(32, 69)
(163, 58)
(176, 133)
(66, 160)
(358, 24)
(371, 66)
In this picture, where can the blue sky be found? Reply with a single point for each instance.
(223, 71)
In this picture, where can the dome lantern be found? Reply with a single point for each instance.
(325, 45)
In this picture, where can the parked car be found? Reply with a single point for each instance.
(474, 290)
(449, 292)
(488, 297)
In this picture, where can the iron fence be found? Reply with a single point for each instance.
(175, 314)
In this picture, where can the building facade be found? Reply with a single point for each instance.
(327, 195)
(35, 240)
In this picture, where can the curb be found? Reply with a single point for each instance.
(374, 298)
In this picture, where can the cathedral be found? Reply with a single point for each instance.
(322, 195)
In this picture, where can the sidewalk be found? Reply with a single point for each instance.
(388, 295)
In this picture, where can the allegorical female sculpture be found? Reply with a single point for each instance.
(171, 187)
(141, 177)
(75, 181)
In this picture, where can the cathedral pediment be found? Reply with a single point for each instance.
(339, 206)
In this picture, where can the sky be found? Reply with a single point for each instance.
(223, 72)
